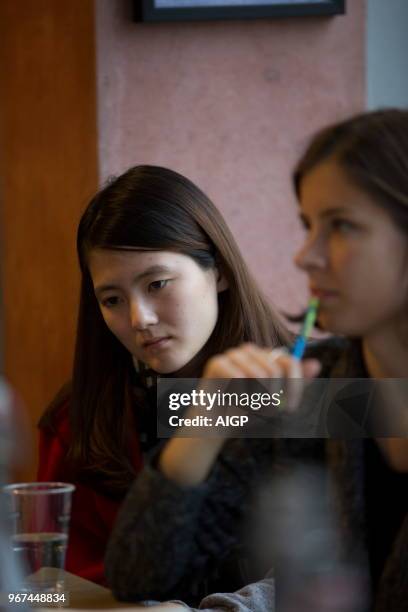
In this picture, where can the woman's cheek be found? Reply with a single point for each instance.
(345, 259)
(173, 311)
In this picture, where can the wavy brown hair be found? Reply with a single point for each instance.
(148, 207)
(372, 149)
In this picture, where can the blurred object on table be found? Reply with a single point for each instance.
(297, 533)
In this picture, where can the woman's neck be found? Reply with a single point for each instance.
(385, 353)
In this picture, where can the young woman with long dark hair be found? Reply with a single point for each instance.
(164, 287)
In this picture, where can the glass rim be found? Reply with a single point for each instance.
(38, 488)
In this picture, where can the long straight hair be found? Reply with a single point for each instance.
(149, 207)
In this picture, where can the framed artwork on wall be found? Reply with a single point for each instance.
(204, 10)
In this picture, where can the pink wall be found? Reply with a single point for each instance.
(230, 104)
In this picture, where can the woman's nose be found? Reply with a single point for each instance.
(312, 254)
(142, 314)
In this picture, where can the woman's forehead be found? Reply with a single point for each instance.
(105, 264)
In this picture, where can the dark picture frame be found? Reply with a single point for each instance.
(204, 10)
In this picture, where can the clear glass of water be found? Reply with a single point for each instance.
(38, 516)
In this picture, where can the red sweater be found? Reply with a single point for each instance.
(92, 515)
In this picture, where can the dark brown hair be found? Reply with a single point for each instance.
(372, 148)
(153, 208)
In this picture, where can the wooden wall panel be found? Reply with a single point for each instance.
(48, 170)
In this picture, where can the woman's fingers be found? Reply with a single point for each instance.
(292, 380)
(251, 361)
(311, 368)
(296, 375)
(221, 366)
(246, 361)
(254, 362)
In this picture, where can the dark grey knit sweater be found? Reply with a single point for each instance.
(171, 542)
(183, 543)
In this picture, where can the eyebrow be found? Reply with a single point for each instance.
(334, 211)
(327, 213)
(156, 269)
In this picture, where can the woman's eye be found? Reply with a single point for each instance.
(159, 284)
(111, 302)
(342, 225)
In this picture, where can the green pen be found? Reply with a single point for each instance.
(308, 323)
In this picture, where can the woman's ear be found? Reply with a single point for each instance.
(222, 283)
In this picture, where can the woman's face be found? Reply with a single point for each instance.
(162, 306)
(353, 254)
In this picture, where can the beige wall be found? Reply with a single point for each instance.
(230, 104)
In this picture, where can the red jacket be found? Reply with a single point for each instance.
(92, 515)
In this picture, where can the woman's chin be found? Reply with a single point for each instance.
(182, 365)
(339, 326)
(166, 367)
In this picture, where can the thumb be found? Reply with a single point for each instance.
(311, 368)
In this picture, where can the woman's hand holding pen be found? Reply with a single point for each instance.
(188, 461)
(251, 361)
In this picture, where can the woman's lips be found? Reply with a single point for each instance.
(324, 294)
(156, 344)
